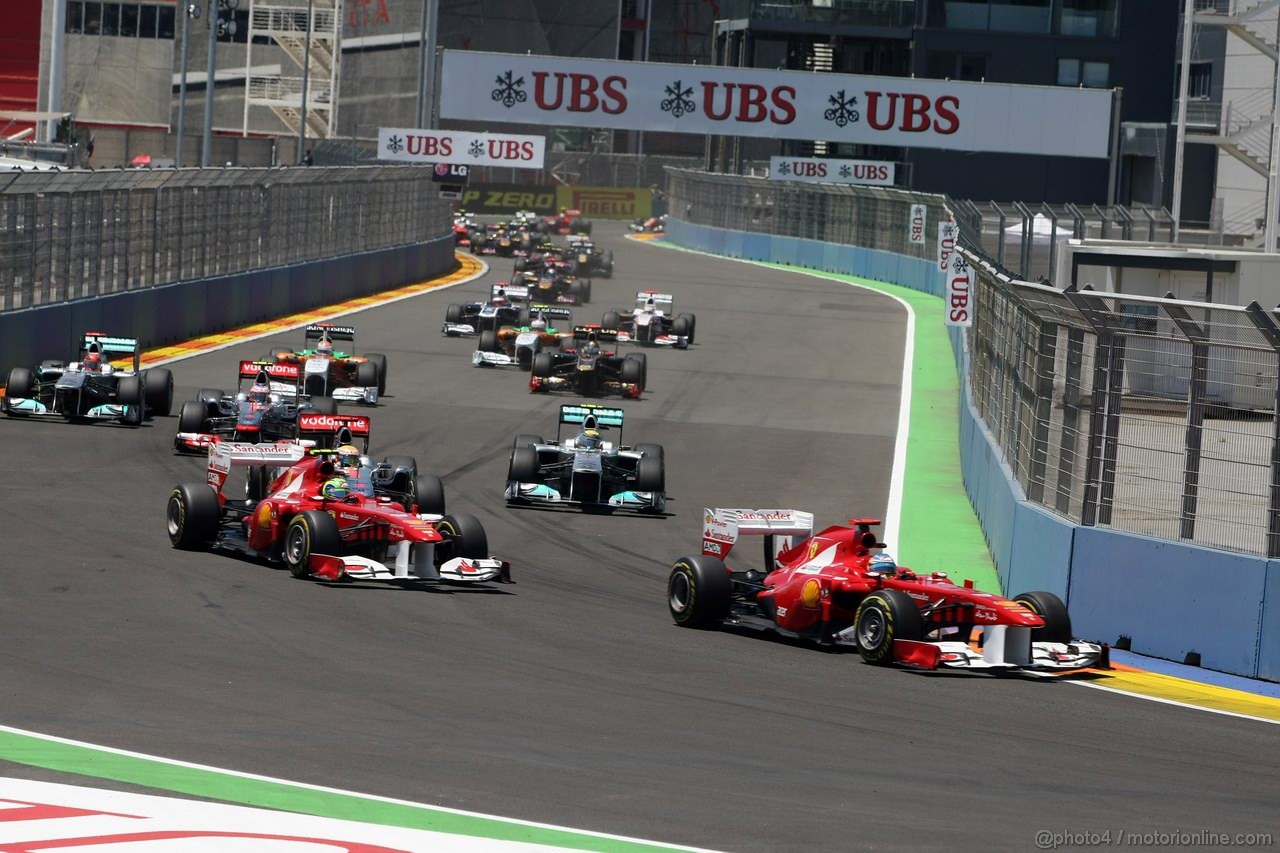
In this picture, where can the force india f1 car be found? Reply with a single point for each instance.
(506, 307)
(517, 347)
(832, 589)
(587, 368)
(302, 522)
(652, 322)
(91, 389)
(327, 372)
(252, 417)
(585, 470)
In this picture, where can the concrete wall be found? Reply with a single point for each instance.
(159, 316)
(1170, 599)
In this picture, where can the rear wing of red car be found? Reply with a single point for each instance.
(334, 430)
(721, 529)
(273, 369)
(225, 455)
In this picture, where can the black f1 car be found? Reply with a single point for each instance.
(91, 389)
(588, 368)
(586, 470)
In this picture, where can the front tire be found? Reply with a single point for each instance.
(543, 364)
(192, 516)
(883, 617)
(523, 467)
(310, 532)
(698, 592)
(464, 536)
(1057, 622)
(191, 416)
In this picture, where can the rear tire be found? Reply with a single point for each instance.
(1057, 622)
(193, 515)
(310, 532)
(20, 383)
(523, 467)
(885, 616)
(157, 384)
(257, 482)
(191, 416)
(632, 372)
(379, 361)
(464, 537)
(698, 592)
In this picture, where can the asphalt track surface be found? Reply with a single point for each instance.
(570, 698)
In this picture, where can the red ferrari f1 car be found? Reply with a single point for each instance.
(323, 517)
(831, 588)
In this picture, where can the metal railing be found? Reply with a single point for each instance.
(1152, 416)
(78, 234)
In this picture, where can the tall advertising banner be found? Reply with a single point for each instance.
(706, 99)
(406, 145)
(958, 293)
(915, 228)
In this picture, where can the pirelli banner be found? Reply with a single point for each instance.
(704, 99)
(594, 202)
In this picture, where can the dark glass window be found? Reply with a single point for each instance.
(1199, 84)
(164, 22)
(147, 22)
(111, 19)
(92, 18)
(129, 20)
(75, 16)
(1090, 18)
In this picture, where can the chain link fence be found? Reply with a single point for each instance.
(1147, 415)
(73, 235)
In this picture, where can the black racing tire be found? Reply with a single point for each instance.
(651, 450)
(543, 365)
(698, 592)
(610, 320)
(129, 391)
(488, 341)
(453, 314)
(464, 537)
(256, 483)
(643, 358)
(21, 383)
(523, 467)
(367, 374)
(526, 440)
(157, 386)
(379, 361)
(1057, 622)
(884, 616)
(310, 532)
(651, 475)
(580, 291)
(585, 225)
(193, 515)
(632, 372)
(680, 327)
(210, 398)
(588, 299)
(428, 495)
(520, 265)
(191, 416)
(324, 405)
(315, 385)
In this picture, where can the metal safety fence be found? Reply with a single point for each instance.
(1148, 415)
(79, 234)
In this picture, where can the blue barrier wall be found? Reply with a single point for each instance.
(1169, 598)
(159, 316)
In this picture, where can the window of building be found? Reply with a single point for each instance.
(1076, 72)
(92, 18)
(129, 20)
(1090, 18)
(1198, 87)
(110, 19)
(164, 22)
(945, 64)
(75, 16)
(1020, 16)
(147, 22)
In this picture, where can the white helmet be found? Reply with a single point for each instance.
(538, 325)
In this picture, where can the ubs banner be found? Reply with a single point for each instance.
(594, 202)
(703, 99)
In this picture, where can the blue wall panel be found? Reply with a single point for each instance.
(1040, 556)
(1170, 598)
(1269, 639)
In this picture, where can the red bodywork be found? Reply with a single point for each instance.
(562, 223)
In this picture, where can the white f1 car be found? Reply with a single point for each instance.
(652, 322)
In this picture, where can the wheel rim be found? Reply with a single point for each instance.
(871, 628)
(175, 517)
(295, 544)
(681, 592)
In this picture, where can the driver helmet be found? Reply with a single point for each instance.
(325, 346)
(92, 362)
(589, 439)
(498, 301)
(538, 325)
(335, 488)
(260, 393)
(348, 456)
(883, 563)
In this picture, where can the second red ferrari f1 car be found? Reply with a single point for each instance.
(831, 588)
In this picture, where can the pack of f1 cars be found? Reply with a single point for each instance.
(506, 306)
(328, 372)
(567, 221)
(652, 322)
(91, 389)
(587, 368)
(321, 522)
(832, 588)
(516, 346)
(588, 258)
(256, 414)
(552, 280)
(587, 470)
(501, 240)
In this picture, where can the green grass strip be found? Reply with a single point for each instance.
(207, 783)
